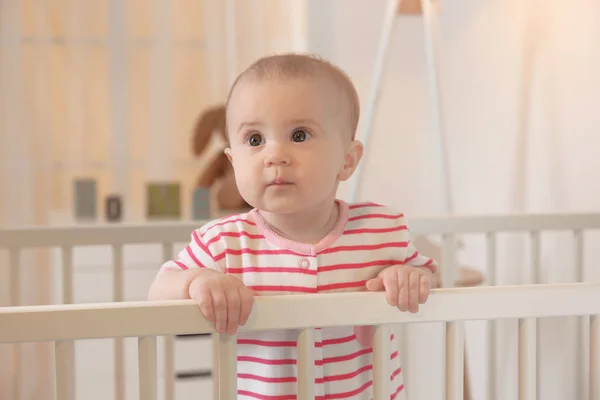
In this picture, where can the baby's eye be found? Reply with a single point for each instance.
(255, 140)
(300, 135)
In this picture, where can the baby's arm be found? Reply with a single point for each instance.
(406, 286)
(223, 299)
(174, 277)
(416, 259)
(175, 284)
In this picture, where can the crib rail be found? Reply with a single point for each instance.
(158, 232)
(167, 233)
(146, 320)
(130, 319)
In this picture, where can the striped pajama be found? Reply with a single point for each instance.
(366, 239)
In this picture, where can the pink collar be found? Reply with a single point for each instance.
(304, 248)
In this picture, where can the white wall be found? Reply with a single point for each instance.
(488, 51)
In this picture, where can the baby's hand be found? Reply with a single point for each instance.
(405, 286)
(223, 299)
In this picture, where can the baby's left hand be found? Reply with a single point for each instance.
(405, 286)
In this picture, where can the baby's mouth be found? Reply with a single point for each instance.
(279, 182)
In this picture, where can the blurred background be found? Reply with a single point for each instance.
(113, 91)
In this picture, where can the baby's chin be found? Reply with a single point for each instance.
(279, 208)
(281, 205)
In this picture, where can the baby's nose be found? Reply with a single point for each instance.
(278, 155)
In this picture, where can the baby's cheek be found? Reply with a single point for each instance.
(241, 180)
(247, 186)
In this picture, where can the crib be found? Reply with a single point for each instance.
(151, 323)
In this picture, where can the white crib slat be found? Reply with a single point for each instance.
(119, 369)
(578, 239)
(67, 274)
(381, 363)
(14, 289)
(491, 257)
(64, 367)
(67, 349)
(117, 252)
(581, 358)
(306, 364)
(491, 325)
(527, 358)
(535, 257)
(147, 365)
(14, 269)
(215, 365)
(448, 260)
(455, 339)
(536, 278)
(169, 341)
(118, 296)
(594, 380)
(227, 376)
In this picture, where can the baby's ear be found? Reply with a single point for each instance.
(352, 158)
(227, 152)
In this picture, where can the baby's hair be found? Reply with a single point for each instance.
(300, 65)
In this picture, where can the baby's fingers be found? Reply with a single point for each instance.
(390, 282)
(233, 310)
(414, 296)
(247, 301)
(403, 290)
(425, 289)
(206, 306)
(219, 300)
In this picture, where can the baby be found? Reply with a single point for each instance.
(291, 123)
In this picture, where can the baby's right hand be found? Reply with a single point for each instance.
(223, 299)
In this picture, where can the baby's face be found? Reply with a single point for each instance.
(289, 142)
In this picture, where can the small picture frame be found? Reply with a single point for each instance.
(85, 192)
(113, 208)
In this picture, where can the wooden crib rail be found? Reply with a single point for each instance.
(146, 320)
(159, 232)
(130, 319)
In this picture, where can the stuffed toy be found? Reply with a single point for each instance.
(217, 173)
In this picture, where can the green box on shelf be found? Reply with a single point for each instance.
(163, 200)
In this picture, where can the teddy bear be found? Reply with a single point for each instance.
(216, 174)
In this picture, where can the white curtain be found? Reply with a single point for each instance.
(111, 90)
